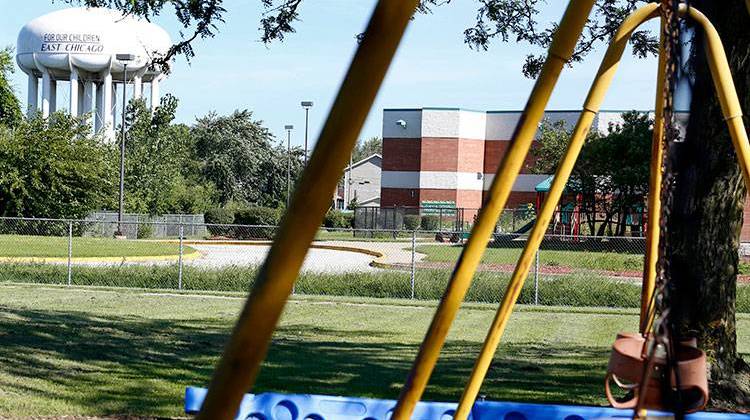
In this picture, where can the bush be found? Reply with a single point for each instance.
(145, 230)
(430, 222)
(338, 219)
(265, 217)
(257, 215)
(219, 216)
(412, 221)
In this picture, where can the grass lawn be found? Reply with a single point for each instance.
(57, 246)
(98, 351)
(612, 261)
(609, 261)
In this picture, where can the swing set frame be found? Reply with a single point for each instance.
(238, 368)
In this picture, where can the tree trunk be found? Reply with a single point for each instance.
(706, 219)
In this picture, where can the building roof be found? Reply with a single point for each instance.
(545, 185)
(362, 161)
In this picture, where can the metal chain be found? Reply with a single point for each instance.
(671, 135)
(660, 344)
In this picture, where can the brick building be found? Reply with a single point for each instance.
(447, 157)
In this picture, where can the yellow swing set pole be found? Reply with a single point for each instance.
(654, 195)
(591, 106)
(559, 54)
(238, 368)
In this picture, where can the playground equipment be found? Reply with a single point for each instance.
(238, 368)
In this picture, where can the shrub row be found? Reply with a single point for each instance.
(429, 285)
(256, 216)
(261, 216)
(339, 219)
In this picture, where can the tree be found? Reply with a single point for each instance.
(239, 157)
(549, 147)
(366, 148)
(707, 215)
(53, 168)
(612, 170)
(10, 108)
(161, 172)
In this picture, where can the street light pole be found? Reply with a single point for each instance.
(125, 58)
(307, 105)
(288, 129)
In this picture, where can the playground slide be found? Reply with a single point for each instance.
(527, 227)
(276, 406)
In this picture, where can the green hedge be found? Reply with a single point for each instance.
(412, 221)
(219, 216)
(430, 222)
(338, 219)
(571, 290)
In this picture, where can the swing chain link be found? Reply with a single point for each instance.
(660, 343)
(671, 135)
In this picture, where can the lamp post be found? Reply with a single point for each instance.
(307, 105)
(125, 59)
(288, 129)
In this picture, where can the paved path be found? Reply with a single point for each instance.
(319, 260)
(218, 255)
(392, 252)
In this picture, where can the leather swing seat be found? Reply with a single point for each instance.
(628, 362)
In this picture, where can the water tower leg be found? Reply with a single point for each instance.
(46, 93)
(113, 108)
(52, 96)
(74, 102)
(99, 117)
(137, 86)
(106, 110)
(33, 95)
(81, 98)
(155, 93)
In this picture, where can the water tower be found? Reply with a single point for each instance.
(93, 49)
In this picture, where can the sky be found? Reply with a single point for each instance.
(433, 67)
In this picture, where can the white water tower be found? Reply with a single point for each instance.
(81, 46)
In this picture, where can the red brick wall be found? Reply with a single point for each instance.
(439, 154)
(745, 233)
(401, 154)
(390, 197)
(494, 152)
(468, 198)
(517, 198)
(433, 194)
(471, 154)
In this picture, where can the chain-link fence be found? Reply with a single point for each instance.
(568, 270)
(146, 226)
(566, 220)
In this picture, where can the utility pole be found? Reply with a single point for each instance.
(124, 58)
(288, 129)
(307, 105)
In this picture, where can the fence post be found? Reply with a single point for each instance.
(70, 252)
(536, 278)
(179, 263)
(413, 260)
